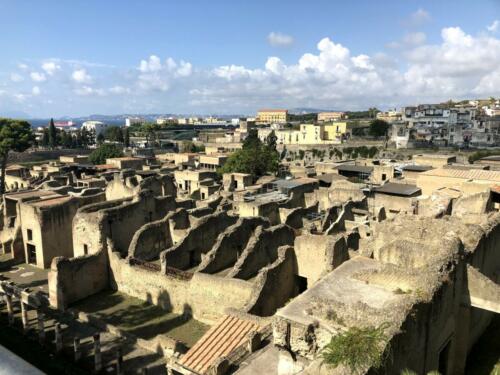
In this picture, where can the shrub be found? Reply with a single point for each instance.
(103, 152)
(357, 349)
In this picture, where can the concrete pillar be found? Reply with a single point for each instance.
(119, 361)
(41, 327)
(97, 353)
(59, 341)
(76, 346)
(461, 339)
(10, 309)
(24, 316)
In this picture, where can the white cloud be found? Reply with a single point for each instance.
(418, 18)
(22, 66)
(277, 39)
(414, 39)
(151, 65)
(81, 76)
(50, 67)
(16, 77)
(37, 77)
(119, 90)
(494, 26)
(89, 91)
(35, 90)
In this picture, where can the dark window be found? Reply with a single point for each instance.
(31, 253)
(384, 176)
(85, 249)
(301, 283)
(30, 234)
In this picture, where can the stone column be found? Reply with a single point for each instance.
(41, 327)
(119, 361)
(10, 309)
(24, 316)
(97, 353)
(78, 352)
(59, 341)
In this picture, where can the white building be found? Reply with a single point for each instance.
(95, 126)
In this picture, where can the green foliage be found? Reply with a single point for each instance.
(52, 134)
(370, 113)
(104, 152)
(482, 154)
(114, 134)
(379, 128)
(189, 146)
(304, 118)
(126, 137)
(254, 158)
(15, 135)
(357, 349)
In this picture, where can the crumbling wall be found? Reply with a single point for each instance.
(230, 244)
(339, 224)
(199, 240)
(151, 239)
(293, 217)
(275, 284)
(319, 254)
(71, 280)
(205, 297)
(472, 205)
(261, 250)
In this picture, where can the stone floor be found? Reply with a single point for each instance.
(27, 276)
(140, 318)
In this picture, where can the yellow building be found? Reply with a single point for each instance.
(330, 116)
(308, 134)
(335, 130)
(278, 116)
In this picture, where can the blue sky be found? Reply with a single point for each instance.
(84, 57)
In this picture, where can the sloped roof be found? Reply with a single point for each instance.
(398, 189)
(220, 340)
(468, 174)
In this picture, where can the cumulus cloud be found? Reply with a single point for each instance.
(50, 67)
(81, 76)
(277, 39)
(16, 77)
(37, 77)
(418, 18)
(459, 65)
(494, 26)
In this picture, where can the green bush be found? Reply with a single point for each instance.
(357, 349)
(103, 152)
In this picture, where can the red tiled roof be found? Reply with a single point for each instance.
(220, 340)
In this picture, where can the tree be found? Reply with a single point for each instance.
(15, 135)
(126, 137)
(113, 134)
(45, 137)
(105, 151)
(254, 158)
(379, 128)
(100, 139)
(52, 134)
(66, 139)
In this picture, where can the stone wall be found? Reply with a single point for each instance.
(319, 254)
(204, 296)
(275, 284)
(188, 252)
(262, 250)
(230, 244)
(71, 280)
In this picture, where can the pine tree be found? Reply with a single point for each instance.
(126, 138)
(52, 134)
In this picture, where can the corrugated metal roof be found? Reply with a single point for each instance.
(468, 174)
(354, 168)
(398, 189)
(220, 340)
